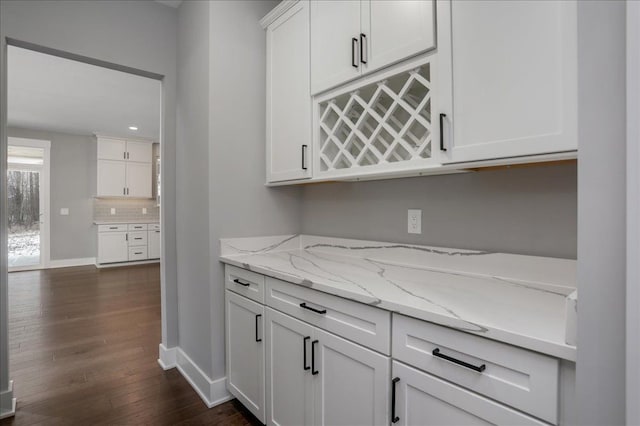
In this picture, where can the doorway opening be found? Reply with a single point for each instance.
(28, 203)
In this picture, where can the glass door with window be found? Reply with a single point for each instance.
(25, 207)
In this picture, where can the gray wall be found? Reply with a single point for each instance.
(600, 380)
(520, 210)
(72, 185)
(137, 34)
(192, 161)
(240, 204)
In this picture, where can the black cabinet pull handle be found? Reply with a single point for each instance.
(237, 281)
(354, 52)
(363, 48)
(258, 339)
(442, 148)
(394, 418)
(313, 358)
(317, 311)
(436, 352)
(304, 353)
(304, 157)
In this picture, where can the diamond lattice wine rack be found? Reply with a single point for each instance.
(381, 125)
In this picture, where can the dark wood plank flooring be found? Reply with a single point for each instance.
(84, 346)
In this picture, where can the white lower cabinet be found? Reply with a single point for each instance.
(245, 352)
(420, 399)
(153, 241)
(122, 242)
(317, 378)
(351, 386)
(112, 247)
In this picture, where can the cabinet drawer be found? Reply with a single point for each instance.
(366, 325)
(422, 399)
(154, 227)
(517, 377)
(138, 253)
(112, 228)
(246, 283)
(138, 238)
(137, 227)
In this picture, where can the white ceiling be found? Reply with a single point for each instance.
(50, 93)
(172, 3)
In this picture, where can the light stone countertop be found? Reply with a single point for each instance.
(520, 300)
(120, 222)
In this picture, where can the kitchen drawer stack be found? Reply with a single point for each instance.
(128, 242)
(298, 356)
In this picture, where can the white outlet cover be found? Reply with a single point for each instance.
(414, 221)
(144, 210)
(64, 211)
(113, 210)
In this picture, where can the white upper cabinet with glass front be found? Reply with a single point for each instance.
(508, 78)
(351, 38)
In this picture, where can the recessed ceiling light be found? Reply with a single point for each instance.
(133, 128)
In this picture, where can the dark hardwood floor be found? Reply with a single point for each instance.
(84, 348)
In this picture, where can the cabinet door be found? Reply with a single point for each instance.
(396, 29)
(514, 72)
(139, 152)
(424, 400)
(111, 149)
(335, 55)
(112, 247)
(111, 178)
(351, 386)
(153, 239)
(139, 180)
(289, 384)
(245, 352)
(288, 97)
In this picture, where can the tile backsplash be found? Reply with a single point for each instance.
(125, 209)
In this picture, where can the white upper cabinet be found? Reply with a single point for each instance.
(510, 73)
(350, 38)
(288, 96)
(140, 152)
(112, 149)
(393, 30)
(138, 180)
(112, 178)
(335, 43)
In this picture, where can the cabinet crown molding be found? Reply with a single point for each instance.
(281, 8)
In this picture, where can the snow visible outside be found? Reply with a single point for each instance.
(24, 248)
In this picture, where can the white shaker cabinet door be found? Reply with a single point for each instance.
(111, 178)
(153, 240)
(139, 180)
(112, 247)
(420, 399)
(140, 152)
(289, 386)
(513, 67)
(335, 38)
(288, 96)
(394, 30)
(245, 352)
(351, 383)
(112, 149)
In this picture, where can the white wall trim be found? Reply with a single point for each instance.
(118, 264)
(8, 402)
(166, 357)
(67, 263)
(212, 392)
(633, 213)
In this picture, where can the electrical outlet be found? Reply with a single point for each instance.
(113, 210)
(144, 210)
(414, 221)
(64, 211)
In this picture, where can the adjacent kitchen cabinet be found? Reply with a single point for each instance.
(352, 38)
(122, 242)
(153, 241)
(113, 247)
(124, 168)
(508, 78)
(288, 96)
(245, 352)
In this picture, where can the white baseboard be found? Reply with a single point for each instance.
(166, 357)
(7, 402)
(119, 264)
(212, 392)
(67, 263)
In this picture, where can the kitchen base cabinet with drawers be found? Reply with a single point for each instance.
(299, 356)
(122, 243)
